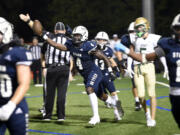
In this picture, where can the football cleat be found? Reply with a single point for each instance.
(120, 109)
(46, 119)
(61, 120)
(151, 123)
(138, 106)
(94, 120)
(108, 105)
(41, 110)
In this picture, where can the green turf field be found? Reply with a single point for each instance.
(78, 113)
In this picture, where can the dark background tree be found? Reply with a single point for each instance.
(112, 16)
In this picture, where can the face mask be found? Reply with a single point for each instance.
(140, 34)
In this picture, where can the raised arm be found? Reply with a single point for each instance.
(37, 27)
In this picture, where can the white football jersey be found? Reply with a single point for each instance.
(145, 46)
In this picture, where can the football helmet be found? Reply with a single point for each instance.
(175, 26)
(79, 34)
(131, 27)
(102, 39)
(6, 31)
(141, 26)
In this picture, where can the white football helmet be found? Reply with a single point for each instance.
(175, 26)
(6, 29)
(131, 27)
(82, 31)
(102, 36)
(176, 21)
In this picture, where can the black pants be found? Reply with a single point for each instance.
(175, 103)
(56, 77)
(37, 71)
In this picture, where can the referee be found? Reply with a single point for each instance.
(35, 49)
(56, 66)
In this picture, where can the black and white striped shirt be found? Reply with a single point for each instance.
(36, 51)
(54, 55)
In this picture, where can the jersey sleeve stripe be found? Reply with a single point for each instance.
(28, 63)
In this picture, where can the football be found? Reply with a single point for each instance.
(37, 27)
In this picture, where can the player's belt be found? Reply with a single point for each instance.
(143, 63)
(139, 66)
(55, 65)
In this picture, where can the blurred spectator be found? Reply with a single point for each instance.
(22, 42)
(114, 41)
(35, 48)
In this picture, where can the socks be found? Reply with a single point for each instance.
(114, 99)
(108, 100)
(94, 104)
(136, 99)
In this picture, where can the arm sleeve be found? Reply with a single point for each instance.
(163, 61)
(159, 51)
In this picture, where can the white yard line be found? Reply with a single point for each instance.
(161, 83)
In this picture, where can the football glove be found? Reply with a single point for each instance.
(7, 110)
(45, 35)
(166, 74)
(117, 71)
(129, 72)
(111, 74)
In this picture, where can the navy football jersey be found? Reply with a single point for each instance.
(8, 76)
(108, 52)
(83, 61)
(172, 55)
(125, 40)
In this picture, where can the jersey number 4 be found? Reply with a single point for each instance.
(5, 86)
(79, 64)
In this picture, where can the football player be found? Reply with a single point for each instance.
(84, 53)
(126, 40)
(15, 76)
(145, 42)
(170, 48)
(102, 40)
